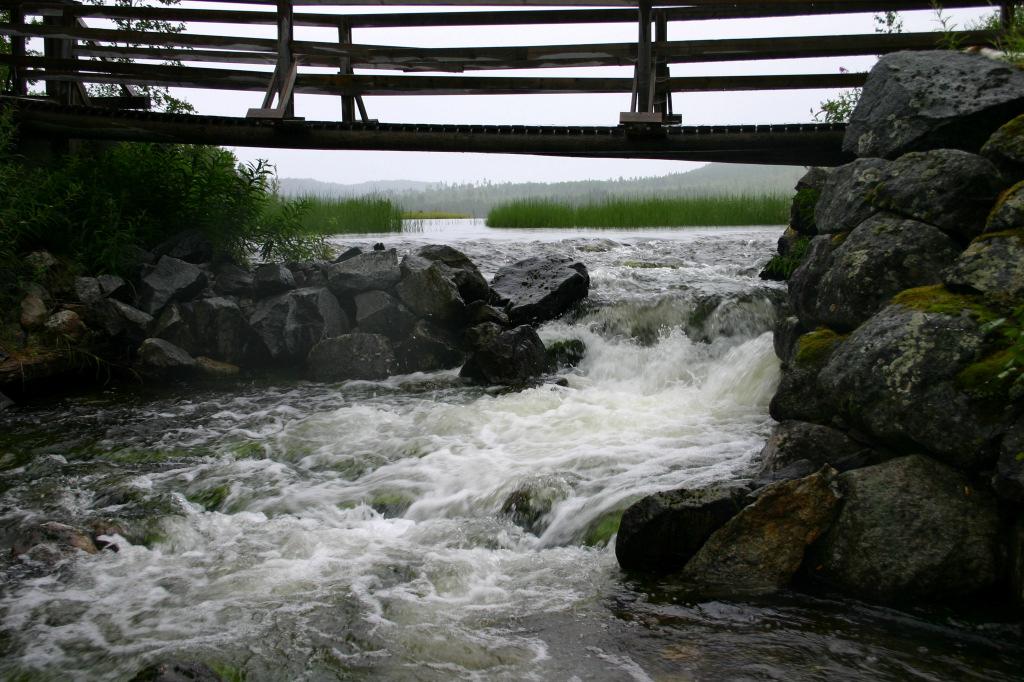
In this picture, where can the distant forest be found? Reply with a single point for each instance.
(478, 199)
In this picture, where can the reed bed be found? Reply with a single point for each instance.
(360, 215)
(756, 209)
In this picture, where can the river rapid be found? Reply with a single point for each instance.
(303, 531)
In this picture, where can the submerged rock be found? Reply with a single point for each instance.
(761, 548)
(352, 356)
(940, 99)
(567, 353)
(514, 357)
(910, 529)
(529, 505)
(50, 541)
(663, 531)
(177, 671)
(541, 288)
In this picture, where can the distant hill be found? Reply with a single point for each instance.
(477, 199)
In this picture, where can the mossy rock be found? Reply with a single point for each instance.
(642, 265)
(801, 213)
(993, 377)
(391, 503)
(815, 347)
(782, 265)
(566, 353)
(1006, 146)
(938, 299)
(603, 528)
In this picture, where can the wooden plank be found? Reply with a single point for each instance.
(488, 18)
(539, 56)
(377, 85)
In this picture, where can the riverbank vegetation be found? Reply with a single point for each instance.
(324, 215)
(751, 209)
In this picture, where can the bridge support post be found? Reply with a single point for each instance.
(19, 87)
(642, 108)
(282, 83)
(662, 95)
(62, 48)
(348, 102)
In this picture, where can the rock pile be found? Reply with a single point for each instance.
(896, 471)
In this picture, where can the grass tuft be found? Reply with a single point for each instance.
(362, 215)
(762, 209)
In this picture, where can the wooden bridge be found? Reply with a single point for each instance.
(116, 45)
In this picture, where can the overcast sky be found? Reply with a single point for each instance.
(696, 108)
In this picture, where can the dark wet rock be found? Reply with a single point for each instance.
(177, 671)
(292, 323)
(364, 272)
(948, 188)
(882, 256)
(33, 313)
(172, 280)
(513, 357)
(1008, 480)
(378, 312)
(940, 99)
(661, 532)
(191, 246)
(5, 402)
(806, 279)
(113, 286)
(1006, 148)
(798, 396)
(216, 368)
(992, 265)
(352, 356)
(479, 312)
(174, 327)
(41, 261)
(66, 324)
(566, 353)
(87, 289)
(218, 328)
(163, 357)
(530, 504)
(309, 273)
(1015, 549)
(348, 254)
(784, 336)
(910, 529)
(428, 348)
(844, 202)
(119, 320)
(232, 280)
(797, 449)
(808, 191)
(895, 377)
(273, 278)
(135, 259)
(1008, 213)
(541, 288)
(429, 291)
(761, 548)
(59, 538)
(460, 269)
(379, 246)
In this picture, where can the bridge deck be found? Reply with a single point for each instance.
(789, 144)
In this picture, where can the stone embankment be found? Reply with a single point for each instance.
(367, 315)
(896, 469)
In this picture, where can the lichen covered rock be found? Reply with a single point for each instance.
(992, 265)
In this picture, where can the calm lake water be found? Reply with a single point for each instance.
(303, 531)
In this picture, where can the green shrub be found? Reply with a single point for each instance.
(781, 267)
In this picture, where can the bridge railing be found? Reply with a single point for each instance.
(80, 47)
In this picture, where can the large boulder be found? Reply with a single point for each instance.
(352, 356)
(292, 323)
(364, 272)
(514, 357)
(804, 282)
(808, 191)
(797, 449)
(378, 312)
(429, 291)
(882, 256)
(914, 101)
(118, 320)
(218, 328)
(191, 246)
(233, 280)
(460, 269)
(661, 532)
(844, 204)
(798, 396)
(910, 529)
(896, 377)
(161, 357)
(1008, 213)
(992, 265)
(540, 288)
(66, 324)
(273, 278)
(761, 548)
(428, 348)
(33, 312)
(171, 280)
(1006, 148)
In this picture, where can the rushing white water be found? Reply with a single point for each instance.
(356, 530)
